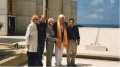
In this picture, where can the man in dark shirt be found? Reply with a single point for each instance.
(41, 39)
(73, 41)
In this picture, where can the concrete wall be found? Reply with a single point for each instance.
(3, 17)
(54, 9)
(67, 9)
(74, 11)
(39, 7)
(25, 9)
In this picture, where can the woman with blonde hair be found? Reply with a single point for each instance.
(50, 41)
(32, 41)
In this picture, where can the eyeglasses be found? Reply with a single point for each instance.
(35, 19)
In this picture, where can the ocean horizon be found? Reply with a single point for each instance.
(101, 25)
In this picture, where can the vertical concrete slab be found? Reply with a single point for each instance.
(19, 7)
(74, 11)
(39, 2)
(22, 24)
(54, 4)
(54, 8)
(3, 17)
(67, 9)
(26, 8)
(53, 14)
(3, 7)
(39, 10)
(39, 7)
(67, 2)
(32, 8)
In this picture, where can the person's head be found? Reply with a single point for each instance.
(61, 18)
(42, 18)
(51, 22)
(35, 19)
(71, 22)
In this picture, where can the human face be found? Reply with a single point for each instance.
(61, 19)
(71, 22)
(35, 20)
(51, 23)
(43, 18)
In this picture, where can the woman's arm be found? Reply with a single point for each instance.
(49, 37)
(27, 36)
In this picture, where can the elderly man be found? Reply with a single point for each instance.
(60, 28)
(41, 38)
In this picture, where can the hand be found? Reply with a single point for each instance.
(28, 46)
(57, 40)
(78, 42)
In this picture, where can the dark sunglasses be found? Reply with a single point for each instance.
(35, 19)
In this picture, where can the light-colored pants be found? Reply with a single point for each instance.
(58, 54)
(71, 52)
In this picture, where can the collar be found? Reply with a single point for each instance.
(33, 23)
(71, 27)
(50, 27)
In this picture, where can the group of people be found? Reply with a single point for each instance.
(51, 32)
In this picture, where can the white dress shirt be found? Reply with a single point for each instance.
(31, 37)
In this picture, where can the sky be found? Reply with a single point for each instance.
(98, 12)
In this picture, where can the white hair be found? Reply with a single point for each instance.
(61, 15)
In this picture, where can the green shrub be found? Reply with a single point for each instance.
(1, 25)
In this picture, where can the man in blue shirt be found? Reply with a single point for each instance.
(73, 41)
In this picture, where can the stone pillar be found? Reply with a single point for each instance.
(74, 11)
(3, 17)
(67, 9)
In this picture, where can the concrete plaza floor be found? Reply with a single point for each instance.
(81, 62)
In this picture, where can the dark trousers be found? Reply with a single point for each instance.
(32, 58)
(40, 52)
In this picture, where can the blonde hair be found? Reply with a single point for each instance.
(61, 15)
(34, 16)
(50, 19)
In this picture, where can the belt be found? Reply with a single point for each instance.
(72, 39)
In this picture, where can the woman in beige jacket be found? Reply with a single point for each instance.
(50, 41)
(32, 41)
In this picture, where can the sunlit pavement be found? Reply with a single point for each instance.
(82, 62)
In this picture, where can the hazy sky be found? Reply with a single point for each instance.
(98, 12)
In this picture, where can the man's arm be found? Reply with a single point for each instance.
(78, 36)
